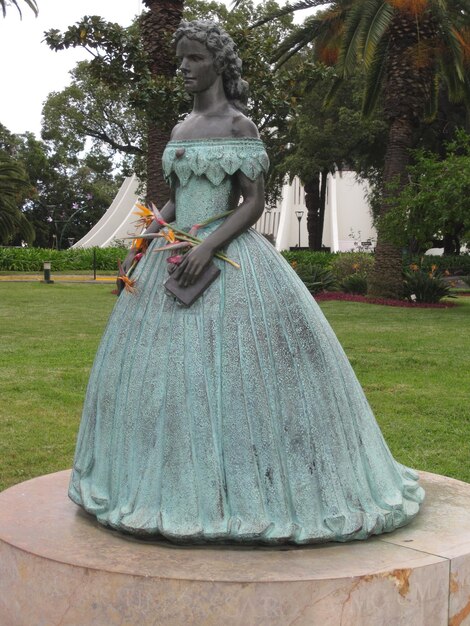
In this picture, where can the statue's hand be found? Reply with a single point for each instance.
(193, 264)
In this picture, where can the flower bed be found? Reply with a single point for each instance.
(349, 297)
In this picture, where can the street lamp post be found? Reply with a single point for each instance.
(299, 215)
(67, 222)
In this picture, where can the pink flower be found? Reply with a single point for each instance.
(175, 259)
(157, 215)
(193, 230)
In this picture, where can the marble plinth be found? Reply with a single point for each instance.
(59, 567)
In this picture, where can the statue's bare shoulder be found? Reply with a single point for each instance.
(177, 130)
(228, 122)
(242, 126)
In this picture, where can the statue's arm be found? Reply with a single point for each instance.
(245, 215)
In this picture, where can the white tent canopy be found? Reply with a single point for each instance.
(116, 223)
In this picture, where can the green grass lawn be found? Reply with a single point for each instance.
(414, 365)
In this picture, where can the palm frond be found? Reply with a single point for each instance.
(450, 38)
(431, 103)
(13, 221)
(289, 8)
(13, 183)
(12, 179)
(280, 60)
(459, 90)
(350, 43)
(378, 25)
(332, 91)
(7, 223)
(31, 3)
(298, 40)
(375, 77)
(450, 78)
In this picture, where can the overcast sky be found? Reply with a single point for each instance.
(29, 70)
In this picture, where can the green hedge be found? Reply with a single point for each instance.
(310, 257)
(32, 259)
(459, 265)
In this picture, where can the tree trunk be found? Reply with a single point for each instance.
(451, 239)
(406, 90)
(157, 189)
(158, 26)
(386, 278)
(312, 203)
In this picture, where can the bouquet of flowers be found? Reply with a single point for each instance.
(177, 239)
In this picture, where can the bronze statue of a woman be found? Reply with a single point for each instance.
(238, 419)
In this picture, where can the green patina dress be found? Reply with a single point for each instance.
(240, 418)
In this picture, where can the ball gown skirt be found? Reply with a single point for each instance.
(238, 419)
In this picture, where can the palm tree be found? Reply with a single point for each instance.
(13, 183)
(408, 50)
(31, 3)
(157, 28)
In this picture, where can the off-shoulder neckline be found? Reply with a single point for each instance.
(216, 140)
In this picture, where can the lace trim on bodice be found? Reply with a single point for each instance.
(214, 159)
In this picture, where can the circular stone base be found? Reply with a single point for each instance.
(58, 566)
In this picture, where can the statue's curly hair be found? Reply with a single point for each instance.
(224, 51)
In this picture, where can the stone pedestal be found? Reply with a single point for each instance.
(59, 567)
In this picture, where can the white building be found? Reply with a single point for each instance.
(347, 225)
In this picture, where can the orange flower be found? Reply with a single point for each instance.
(129, 283)
(169, 235)
(145, 216)
(140, 244)
(355, 266)
(294, 264)
(414, 267)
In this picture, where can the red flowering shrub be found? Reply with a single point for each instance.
(349, 297)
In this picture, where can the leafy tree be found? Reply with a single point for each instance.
(113, 96)
(64, 195)
(15, 188)
(434, 208)
(407, 48)
(136, 62)
(13, 185)
(433, 135)
(89, 110)
(32, 4)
